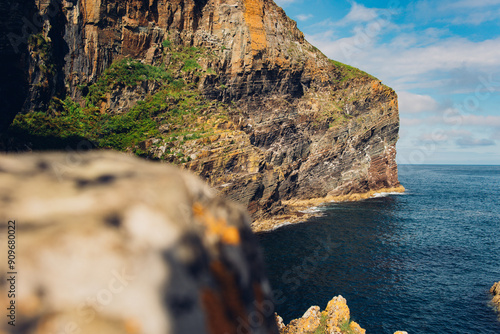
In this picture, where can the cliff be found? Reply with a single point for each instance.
(230, 90)
(102, 242)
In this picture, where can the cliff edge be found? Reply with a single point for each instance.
(230, 90)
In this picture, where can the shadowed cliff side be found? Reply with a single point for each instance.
(108, 243)
(230, 90)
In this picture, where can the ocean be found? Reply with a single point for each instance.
(421, 262)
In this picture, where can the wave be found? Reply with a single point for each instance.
(280, 225)
(385, 194)
(312, 209)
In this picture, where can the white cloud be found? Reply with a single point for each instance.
(456, 12)
(477, 18)
(469, 141)
(432, 69)
(414, 61)
(415, 103)
(358, 14)
(472, 3)
(304, 17)
(462, 138)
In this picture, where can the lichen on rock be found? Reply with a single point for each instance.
(334, 319)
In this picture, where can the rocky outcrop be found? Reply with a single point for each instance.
(335, 319)
(297, 125)
(108, 243)
(495, 291)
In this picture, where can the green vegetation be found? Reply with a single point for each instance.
(41, 48)
(124, 72)
(345, 327)
(322, 328)
(176, 104)
(349, 72)
(341, 119)
(185, 57)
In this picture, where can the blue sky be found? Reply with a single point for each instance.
(441, 57)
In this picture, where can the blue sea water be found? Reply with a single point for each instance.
(422, 261)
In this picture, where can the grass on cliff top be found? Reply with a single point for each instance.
(349, 72)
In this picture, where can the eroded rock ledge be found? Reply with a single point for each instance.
(108, 243)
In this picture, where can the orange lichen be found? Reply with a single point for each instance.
(376, 86)
(254, 12)
(338, 312)
(356, 328)
(132, 326)
(393, 103)
(216, 227)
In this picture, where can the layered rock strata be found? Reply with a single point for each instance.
(108, 243)
(299, 126)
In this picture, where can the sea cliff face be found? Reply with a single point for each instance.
(260, 113)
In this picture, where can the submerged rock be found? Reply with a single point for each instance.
(108, 243)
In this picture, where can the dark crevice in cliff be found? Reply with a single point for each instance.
(59, 49)
(153, 11)
(18, 17)
(198, 8)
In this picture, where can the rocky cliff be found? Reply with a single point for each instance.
(106, 243)
(228, 89)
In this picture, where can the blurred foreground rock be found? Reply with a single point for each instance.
(108, 243)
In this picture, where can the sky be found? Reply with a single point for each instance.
(441, 57)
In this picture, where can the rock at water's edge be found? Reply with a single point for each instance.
(495, 291)
(334, 319)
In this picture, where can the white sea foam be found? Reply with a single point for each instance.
(312, 209)
(377, 195)
(280, 225)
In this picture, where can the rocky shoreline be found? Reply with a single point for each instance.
(300, 211)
